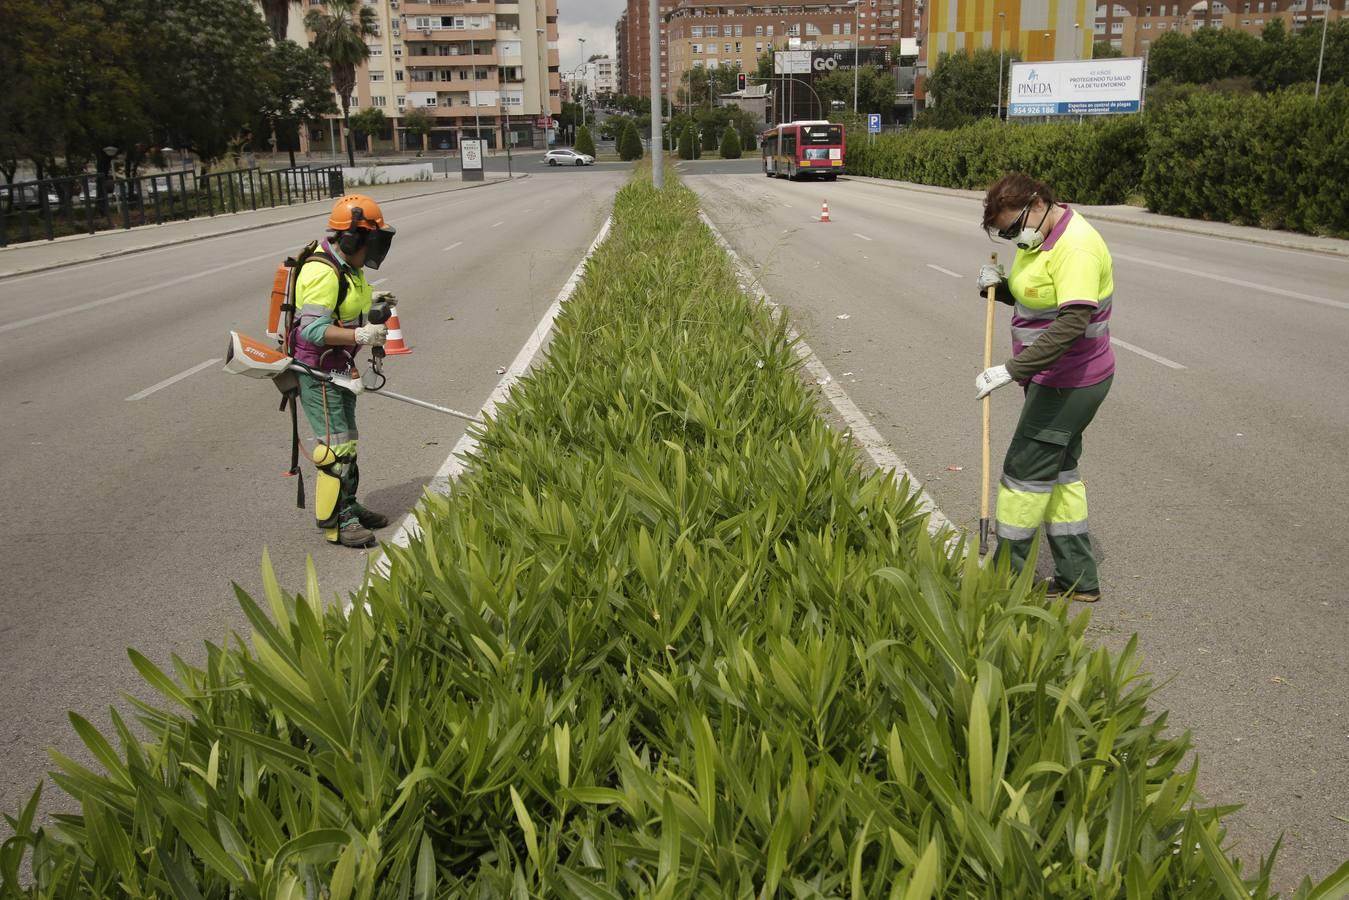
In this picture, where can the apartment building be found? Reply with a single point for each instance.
(477, 66)
(635, 48)
(1137, 32)
(713, 33)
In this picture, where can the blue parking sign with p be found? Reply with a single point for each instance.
(874, 123)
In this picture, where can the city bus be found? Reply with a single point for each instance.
(803, 150)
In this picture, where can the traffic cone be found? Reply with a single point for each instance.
(395, 345)
(824, 210)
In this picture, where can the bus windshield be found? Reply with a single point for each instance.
(822, 134)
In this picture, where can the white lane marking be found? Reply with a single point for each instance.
(862, 236)
(1145, 353)
(865, 434)
(453, 467)
(1267, 288)
(945, 271)
(788, 206)
(186, 373)
(125, 295)
(378, 281)
(498, 224)
(452, 246)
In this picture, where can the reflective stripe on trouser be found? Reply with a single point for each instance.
(1041, 484)
(331, 412)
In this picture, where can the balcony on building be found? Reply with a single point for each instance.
(411, 9)
(455, 53)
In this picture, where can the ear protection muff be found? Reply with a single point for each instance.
(352, 240)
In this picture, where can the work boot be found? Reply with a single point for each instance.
(369, 518)
(1061, 593)
(354, 534)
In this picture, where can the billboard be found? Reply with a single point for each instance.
(1087, 88)
(791, 62)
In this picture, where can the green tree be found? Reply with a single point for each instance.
(295, 87)
(964, 87)
(420, 123)
(584, 142)
(1105, 50)
(1209, 54)
(701, 86)
(370, 122)
(630, 144)
(875, 91)
(730, 144)
(339, 36)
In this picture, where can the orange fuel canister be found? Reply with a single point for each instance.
(280, 286)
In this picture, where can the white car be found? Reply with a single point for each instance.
(568, 158)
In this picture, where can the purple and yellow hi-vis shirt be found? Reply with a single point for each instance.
(1071, 268)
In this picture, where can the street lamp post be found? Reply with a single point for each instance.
(583, 94)
(1077, 40)
(1325, 26)
(544, 111)
(1002, 46)
(856, 49)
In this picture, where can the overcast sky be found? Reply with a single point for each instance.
(593, 20)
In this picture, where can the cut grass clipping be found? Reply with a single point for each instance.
(666, 639)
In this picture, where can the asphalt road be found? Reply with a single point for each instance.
(1218, 490)
(135, 499)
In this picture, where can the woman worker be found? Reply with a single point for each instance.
(1060, 287)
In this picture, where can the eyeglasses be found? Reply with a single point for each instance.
(1011, 231)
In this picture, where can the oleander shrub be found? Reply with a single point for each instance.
(1277, 160)
(666, 638)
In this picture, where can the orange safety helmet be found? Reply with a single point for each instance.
(356, 211)
(359, 224)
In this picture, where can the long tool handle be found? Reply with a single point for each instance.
(987, 413)
(424, 405)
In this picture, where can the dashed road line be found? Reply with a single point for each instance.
(186, 373)
(945, 271)
(1124, 345)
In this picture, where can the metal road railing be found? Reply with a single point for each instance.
(54, 207)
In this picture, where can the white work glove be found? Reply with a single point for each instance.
(371, 334)
(384, 297)
(990, 380)
(990, 276)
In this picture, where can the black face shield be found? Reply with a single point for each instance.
(377, 246)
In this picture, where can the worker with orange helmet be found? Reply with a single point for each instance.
(333, 299)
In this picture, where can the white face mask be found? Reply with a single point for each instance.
(1031, 238)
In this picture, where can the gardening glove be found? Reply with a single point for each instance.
(371, 334)
(993, 276)
(384, 297)
(990, 380)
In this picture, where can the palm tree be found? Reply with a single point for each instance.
(339, 37)
(277, 14)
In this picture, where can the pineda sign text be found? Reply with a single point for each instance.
(1086, 88)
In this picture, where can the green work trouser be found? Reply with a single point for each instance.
(331, 412)
(1041, 484)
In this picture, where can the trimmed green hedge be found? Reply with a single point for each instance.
(665, 639)
(1278, 160)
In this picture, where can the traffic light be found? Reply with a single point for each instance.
(741, 81)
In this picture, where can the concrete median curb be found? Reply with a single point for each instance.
(1284, 240)
(193, 238)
